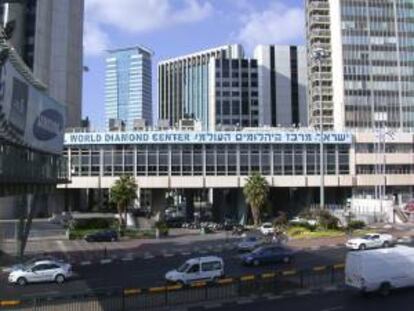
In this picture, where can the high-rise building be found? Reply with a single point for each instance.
(128, 91)
(368, 79)
(183, 84)
(233, 93)
(282, 72)
(48, 35)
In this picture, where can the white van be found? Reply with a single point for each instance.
(208, 268)
(380, 269)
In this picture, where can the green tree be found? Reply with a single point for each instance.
(123, 192)
(255, 192)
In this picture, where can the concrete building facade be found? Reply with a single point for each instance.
(233, 93)
(367, 80)
(128, 85)
(49, 37)
(220, 162)
(282, 72)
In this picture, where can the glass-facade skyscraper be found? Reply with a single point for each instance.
(184, 83)
(128, 86)
(368, 80)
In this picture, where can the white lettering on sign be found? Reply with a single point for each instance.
(106, 138)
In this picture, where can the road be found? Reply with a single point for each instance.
(339, 301)
(144, 273)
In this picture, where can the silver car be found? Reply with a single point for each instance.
(41, 271)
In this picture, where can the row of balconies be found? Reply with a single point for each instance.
(317, 5)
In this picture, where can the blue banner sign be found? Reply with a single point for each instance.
(176, 137)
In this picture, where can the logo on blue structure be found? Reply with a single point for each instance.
(48, 125)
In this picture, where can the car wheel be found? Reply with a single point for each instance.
(385, 289)
(21, 281)
(286, 259)
(386, 244)
(256, 262)
(362, 247)
(60, 279)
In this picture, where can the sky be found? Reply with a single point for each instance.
(176, 27)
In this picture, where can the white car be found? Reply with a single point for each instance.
(372, 240)
(299, 220)
(208, 268)
(266, 228)
(250, 243)
(32, 262)
(41, 271)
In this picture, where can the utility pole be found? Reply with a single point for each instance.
(319, 55)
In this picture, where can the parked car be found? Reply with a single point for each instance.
(102, 236)
(372, 240)
(250, 243)
(61, 219)
(41, 271)
(380, 270)
(208, 268)
(299, 221)
(268, 254)
(266, 228)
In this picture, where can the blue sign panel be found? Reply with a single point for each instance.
(177, 137)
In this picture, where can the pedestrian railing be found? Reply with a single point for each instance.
(123, 299)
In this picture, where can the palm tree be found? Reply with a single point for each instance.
(255, 192)
(122, 193)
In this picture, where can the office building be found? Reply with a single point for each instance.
(233, 93)
(367, 81)
(282, 72)
(48, 35)
(183, 84)
(128, 91)
(219, 162)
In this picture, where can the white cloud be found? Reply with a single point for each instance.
(278, 24)
(137, 16)
(95, 40)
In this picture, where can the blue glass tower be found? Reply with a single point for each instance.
(128, 94)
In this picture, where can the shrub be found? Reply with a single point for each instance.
(356, 224)
(307, 214)
(327, 220)
(281, 221)
(93, 223)
(162, 227)
(307, 226)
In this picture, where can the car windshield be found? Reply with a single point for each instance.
(183, 267)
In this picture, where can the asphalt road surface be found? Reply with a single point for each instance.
(144, 273)
(402, 300)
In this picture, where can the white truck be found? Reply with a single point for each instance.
(380, 270)
(371, 240)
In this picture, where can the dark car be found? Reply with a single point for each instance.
(102, 236)
(268, 254)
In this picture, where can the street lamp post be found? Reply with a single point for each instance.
(319, 55)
